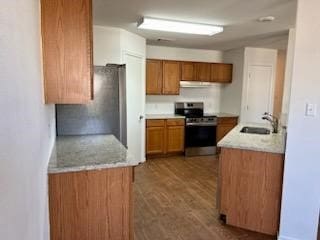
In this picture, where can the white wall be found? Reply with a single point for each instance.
(288, 77)
(231, 94)
(210, 96)
(109, 45)
(106, 45)
(27, 126)
(301, 190)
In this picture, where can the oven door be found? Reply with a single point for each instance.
(200, 135)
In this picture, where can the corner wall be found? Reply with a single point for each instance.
(27, 125)
(301, 191)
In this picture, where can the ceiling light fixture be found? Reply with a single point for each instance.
(180, 27)
(266, 19)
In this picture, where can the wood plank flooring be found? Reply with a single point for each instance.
(175, 199)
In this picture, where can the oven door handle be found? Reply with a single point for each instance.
(201, 124)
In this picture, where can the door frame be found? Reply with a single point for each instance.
(142, 57)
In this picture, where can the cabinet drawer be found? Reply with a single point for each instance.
(227, 120)
(175, 122)
(155, 123)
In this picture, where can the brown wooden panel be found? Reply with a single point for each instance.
(279, 83)
(155, 123)
(175, 122)
(251, 185)
(91, 204)
(221, 72)
(227, 120)
(153, 77)
(175, 139)
(203, 72)
(171, 77)
(223, 130)
(155, 140)
(67, 50)
(188, 72)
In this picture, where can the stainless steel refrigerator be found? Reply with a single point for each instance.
(105, 114)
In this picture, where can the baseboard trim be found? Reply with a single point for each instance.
(286, 238)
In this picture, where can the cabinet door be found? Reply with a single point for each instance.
(221, 72)
(154, 77)
(175, 139)
(171, 77)
(67, 50)
(203, 72)
(225, 125)
(155, 139)
(188, 71)
(175, 135)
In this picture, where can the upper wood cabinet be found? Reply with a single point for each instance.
(171, 77)
(221, 72)
(188, 72)
(67, 50)
(203, 72)
(154, 77)
(163, 77)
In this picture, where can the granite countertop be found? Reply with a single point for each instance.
(88, 152)
(273, 143)
(164, 116)
(225, 115)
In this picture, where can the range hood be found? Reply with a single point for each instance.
(194, 84)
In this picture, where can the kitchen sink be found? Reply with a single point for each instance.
(255, 130)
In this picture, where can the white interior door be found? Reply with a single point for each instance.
(135, 97)
(259, 93)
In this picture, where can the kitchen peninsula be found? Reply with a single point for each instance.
(250, 179)
(90, 188)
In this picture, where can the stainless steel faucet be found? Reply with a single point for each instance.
(273, 120)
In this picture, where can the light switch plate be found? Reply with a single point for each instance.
(311, 110)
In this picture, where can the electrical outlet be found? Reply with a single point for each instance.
(311, 110)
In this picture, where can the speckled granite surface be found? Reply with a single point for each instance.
(88, 152)
(164, 116)
(273, 143)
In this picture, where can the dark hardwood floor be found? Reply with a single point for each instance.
(175, 199)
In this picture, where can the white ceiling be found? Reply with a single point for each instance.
(239, 17)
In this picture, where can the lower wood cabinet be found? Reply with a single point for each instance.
(225, 125)
(249, 189)
(164, 137)
(94, 204)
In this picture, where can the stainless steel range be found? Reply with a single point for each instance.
(200, 137)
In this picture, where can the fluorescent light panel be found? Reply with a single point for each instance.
(180, 27)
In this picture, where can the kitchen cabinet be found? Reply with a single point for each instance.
(175, 136)
(66, 28)
(154, 77)
(225, 125)
(188, 72)
(171, 77)
(250, 186)
(203, 72)
(163, 77)
(155, 135)
(95, 204)
(221, 72)
(165, 136)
